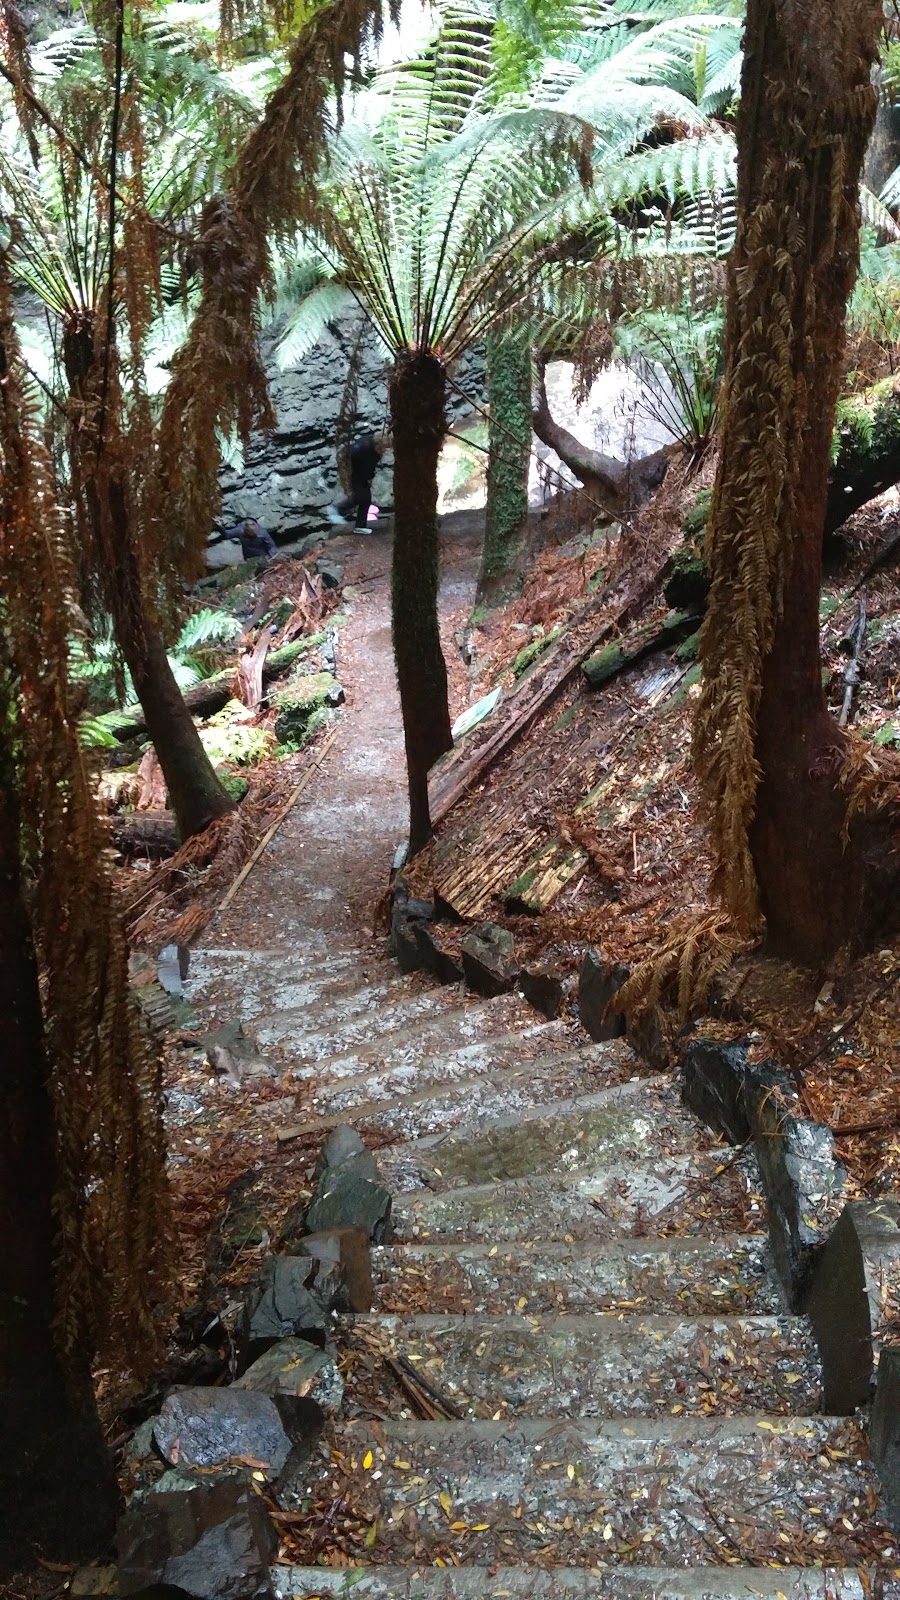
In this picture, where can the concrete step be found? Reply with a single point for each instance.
(574, 1583)
(405, 1075)
(640, 1120)
(351, 1021)
(438, 1030)
(688, 1275)
(503, 1092)
(603, 1365)
(630, 1197)
(678, 1491)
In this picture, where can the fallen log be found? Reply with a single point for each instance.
(151, 833)
(208, 697)
(868, 452)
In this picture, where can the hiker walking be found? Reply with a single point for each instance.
(365, 456)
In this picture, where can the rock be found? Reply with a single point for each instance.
(350, 1196)
(226, 553)
(713, 1083)
(884, 1427)
(854, 1281)
(282, 1307)
(172, 968)
(331, 572)
(404, 941)
(213, 1427)
(436, 958)
(296, 1368)
(802, 1183)
(545, 989)
(644, 1032)
(342, 1144)
(342, 1279)
(213, 1543)
(489, 960)
(598, 982)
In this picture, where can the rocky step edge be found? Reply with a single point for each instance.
(572, 1583)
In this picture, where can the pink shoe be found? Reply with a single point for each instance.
(373, 514)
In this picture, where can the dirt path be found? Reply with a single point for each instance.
(329, 863)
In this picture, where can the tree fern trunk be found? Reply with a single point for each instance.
(57, 1486)
(417, 399)
(505, 547)
(773, 762)
(197, 796)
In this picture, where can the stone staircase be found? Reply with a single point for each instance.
(623, 1407)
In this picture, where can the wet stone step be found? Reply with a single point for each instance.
(437, 1107)
(228, 974)
(605, 1365)
(692, 1276)
(538, 1042)
(343, 1026)
(629, 1198)
(572, 1583)
(425, 1036)
(675, 1492)
(641, 1119)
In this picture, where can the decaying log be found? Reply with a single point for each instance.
(152, 833)
(205, 698)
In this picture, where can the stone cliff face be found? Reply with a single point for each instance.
(289, 477)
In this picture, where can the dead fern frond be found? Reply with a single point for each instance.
(682, 971)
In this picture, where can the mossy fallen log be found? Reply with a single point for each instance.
(620, 654)
(866, 451)
(209, 696)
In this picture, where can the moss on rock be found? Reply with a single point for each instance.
(297, 703)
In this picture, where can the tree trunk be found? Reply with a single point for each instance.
(417, 399)
(617, 486)
(505, 547)
(197, 795)
(771, 759)
(57, 1485)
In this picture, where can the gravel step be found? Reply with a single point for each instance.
(436, 1107)
(230, 974)
(605, 1365)
(572, 1583)
(692, 1276)
(637, 1119)
(627, 1198)
(438, 1031)
(679, 1491)
(350, 1022)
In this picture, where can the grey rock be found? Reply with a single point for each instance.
(299, 1369)
(341, 1145)
(331, 572)
(172, 968)
(227, 553)
(489, 960)
(713, 1076)
(856, 1278)
(884, 1428)
(436, 958)
(282, 1307)
(343, 1268)
(211, 1427)
(803, 1183)
(546, 989)
(212, 1543)
(142, 1447)
(404, 941)
(349, 1196)
(599, 981)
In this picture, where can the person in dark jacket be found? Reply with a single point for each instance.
(365, 456)
(256, 540)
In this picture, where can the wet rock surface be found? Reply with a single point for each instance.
(296, 1368)
(215, 1427)
(213, 1543)
(281, 1306)
(855, 1287)
(598, 983)
(489, 960)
